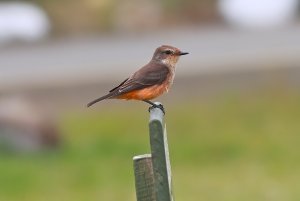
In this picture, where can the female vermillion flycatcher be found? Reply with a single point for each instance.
(150, 81)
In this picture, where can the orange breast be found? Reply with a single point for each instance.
(145, 94)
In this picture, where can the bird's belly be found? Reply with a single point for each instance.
(146, 93)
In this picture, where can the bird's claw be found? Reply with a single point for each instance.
(160, 106)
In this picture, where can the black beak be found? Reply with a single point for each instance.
(183, 53)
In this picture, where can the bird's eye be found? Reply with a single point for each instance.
(168, 52)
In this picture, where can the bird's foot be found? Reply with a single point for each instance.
(160, 106)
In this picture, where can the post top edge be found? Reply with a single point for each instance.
(156, 113)
(139, 157)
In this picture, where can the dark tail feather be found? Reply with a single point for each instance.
(99, 99)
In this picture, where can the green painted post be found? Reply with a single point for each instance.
(153, 171)
(160, 156)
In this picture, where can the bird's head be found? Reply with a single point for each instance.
(167, 54)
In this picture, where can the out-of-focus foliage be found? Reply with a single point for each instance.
(235, 147)
(89, 16)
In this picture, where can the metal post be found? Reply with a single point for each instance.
(153, 172)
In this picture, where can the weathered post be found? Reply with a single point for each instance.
(153, 172)
(144, 179)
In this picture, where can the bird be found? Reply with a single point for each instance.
(150, 81)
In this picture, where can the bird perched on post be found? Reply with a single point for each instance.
(150, 81)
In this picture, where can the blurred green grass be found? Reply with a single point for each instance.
(232, 147)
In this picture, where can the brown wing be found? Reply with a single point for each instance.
(149, 75)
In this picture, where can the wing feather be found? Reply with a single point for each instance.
(149, 75)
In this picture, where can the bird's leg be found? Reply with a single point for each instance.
(160, 106)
